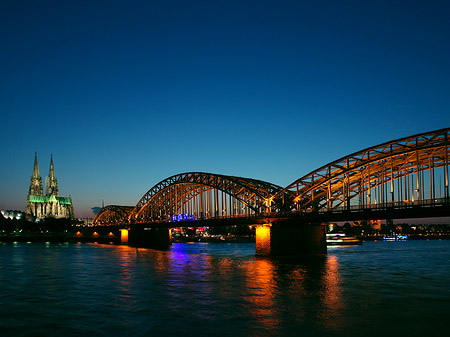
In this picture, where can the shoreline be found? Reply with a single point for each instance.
(237, 239)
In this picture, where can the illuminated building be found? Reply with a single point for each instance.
(50, 204)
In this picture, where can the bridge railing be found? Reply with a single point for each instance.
(232, 216)
(400, 205)
(378, 206)
(388, 205)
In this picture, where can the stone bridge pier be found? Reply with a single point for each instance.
(287, 238)
(155, 238)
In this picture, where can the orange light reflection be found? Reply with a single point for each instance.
(261, 290)
(332, 295)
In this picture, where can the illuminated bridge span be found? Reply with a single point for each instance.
(410, 170)
(407, 171)
(194, 196)
(203, 195)
(113, 215)
(407, 177)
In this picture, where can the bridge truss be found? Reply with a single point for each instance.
(199, 195)
(410, 170)
(113, 215)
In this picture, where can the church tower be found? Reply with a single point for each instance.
(35, 196)
(36, 180)
(51, 183)
(50, 204)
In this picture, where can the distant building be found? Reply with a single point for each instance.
(375, 224)
(86, 221)
(50, 204)
(13, 214)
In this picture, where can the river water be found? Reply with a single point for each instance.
(376, 289)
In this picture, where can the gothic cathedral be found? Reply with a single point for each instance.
(50, 204)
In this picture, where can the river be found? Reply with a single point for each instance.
(221, 289)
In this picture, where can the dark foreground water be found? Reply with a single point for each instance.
(377, 289)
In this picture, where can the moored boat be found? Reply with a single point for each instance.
(340, 239)
(395, 238)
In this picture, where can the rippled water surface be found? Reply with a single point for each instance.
(377, 289)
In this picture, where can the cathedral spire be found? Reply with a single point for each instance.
(51, 183)
(36, 167)
(36, 180)
(51, 173)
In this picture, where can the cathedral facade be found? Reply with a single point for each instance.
(49, 204)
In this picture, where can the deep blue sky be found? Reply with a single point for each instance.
(127, 93)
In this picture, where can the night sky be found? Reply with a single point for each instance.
(127, 93)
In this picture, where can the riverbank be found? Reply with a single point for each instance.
(58, 239)
(410, 237)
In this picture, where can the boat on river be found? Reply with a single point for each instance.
(395, 238)
(340, 239)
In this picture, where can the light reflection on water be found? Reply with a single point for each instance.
(222, 290)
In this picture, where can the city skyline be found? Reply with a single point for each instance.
(126, 94)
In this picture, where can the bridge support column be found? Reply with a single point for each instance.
(124, 236)
(305, 239)
(155, 238)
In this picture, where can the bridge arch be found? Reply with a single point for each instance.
(203, 195)
(113, 215)
(408, 170)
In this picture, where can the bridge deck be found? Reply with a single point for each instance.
(398, 210)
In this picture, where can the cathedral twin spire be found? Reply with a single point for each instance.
(51, 183)
(50, 204)
(36, 167)
(36, 180)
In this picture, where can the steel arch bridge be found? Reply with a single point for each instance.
(199, 195)
(405, 171)
(408, 171)
(113, 215)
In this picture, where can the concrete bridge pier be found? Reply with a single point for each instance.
(155, 238)
(302, 239)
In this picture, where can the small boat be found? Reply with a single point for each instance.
(395, 238)
(340, 239)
